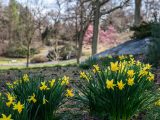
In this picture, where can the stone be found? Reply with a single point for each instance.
(133, 47)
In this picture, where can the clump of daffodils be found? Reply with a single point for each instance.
(34, 97)
(120, 89)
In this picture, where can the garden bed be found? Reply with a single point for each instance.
(71, 110)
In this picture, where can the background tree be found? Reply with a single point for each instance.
(13, 21)
(99, 11)
(29, 26)
(137, 14)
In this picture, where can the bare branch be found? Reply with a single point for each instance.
(103, 12)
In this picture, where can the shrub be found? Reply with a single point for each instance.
(142, 31)
(39, 59)
(64, 53)
(36, 99)
(19, 52)
(118, 91)
(68, 52)
(51, 55)
(153, 55)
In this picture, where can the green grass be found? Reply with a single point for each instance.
(4, 60)
(37, 66)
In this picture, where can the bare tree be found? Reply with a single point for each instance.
(29, 26)
(98, 10)
(55, 16)
(137, 13)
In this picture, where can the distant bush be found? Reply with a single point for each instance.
(39, 59)
(64, 53)
(142, 31)
(51, 55)
(153, 55)
(19, 52)
(67, 52)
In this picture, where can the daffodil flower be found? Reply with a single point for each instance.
(43, 86)
(4, 117)
(44, 100)
(96, 68)
(32, 98)
(114, 66)
(19, 107)
(120, 85)
(109, 84)
(69, 93)
(130, 73)
(52, 82)
(84, 75)
(65, 80)
(25, 77)
(11, 99)
(130, 81)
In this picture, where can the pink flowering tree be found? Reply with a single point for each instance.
(109, 36)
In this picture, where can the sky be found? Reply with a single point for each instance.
(47, 2)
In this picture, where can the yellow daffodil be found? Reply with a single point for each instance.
(130, 73)
(151, 76)
(19, 107)
(157, 103)
(11, 99)
(96, 68)
(147, 67)
(130, 81)
(114, 66)
(110, 56)
(138, 63)
(84, 75)
(122, 66)
(44, 100)
(32, 98)
(120, 85)
(16, 82)
(121, 57)
(130, 55)
(9, 85)
(25, 77)
(65, 80)
(69, 93)
(132, 61)
(43, 86)
(4, 117)
(109, 84)
(143, 72)
(52, 82)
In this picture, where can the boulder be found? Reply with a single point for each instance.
(133, 47)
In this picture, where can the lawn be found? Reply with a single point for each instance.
(4, 60)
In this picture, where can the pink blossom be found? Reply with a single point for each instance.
(109, 36)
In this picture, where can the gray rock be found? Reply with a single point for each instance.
(129, 47)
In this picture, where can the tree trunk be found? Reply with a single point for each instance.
(79, 51)
(28, 55)
(137, 13)
(96, 7)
